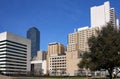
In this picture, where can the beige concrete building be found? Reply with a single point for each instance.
(83, 34)
(72, 59)
(79, 40)
(72, 42)
(54, 50)
(57, 65)
(77, 45)
(41, 55)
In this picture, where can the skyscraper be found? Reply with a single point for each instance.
(79, 40)
(34, 35)
(100, 15)
(77, 45)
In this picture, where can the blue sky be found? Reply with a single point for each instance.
(54, 18)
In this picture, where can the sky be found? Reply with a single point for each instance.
(55, 19)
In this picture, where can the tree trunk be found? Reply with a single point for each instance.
(110, 70)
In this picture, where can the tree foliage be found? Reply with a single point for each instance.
(104, 50)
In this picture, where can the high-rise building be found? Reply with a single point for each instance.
(15, 54)
(72, 41)
(79, 40)
(34, 35)
(100, 15)
(77, 45)
(83, 34)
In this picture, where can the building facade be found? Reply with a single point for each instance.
(100, 15)
(77, 45)
(83, 34)
(41, 55)
(57, 65)
(15, 54)
(38, 63)
(72, 59)
(72, 41)
(79, 40)
(38, 67)
(55, 50)
(34, 35)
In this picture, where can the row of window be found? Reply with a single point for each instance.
(58, 58)
(12, 71)
(57, 63)
(8, 44)
(13, 51)
(58, 66)
(8, 54)
(13, 68)
(58, 69)
(24, 65)
(7, 47)
(13, 42)
(13, 58)
(12, 61)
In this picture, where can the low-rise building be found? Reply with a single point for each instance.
(57, 65)
(38, 67)
(55, 50)
(38, 63)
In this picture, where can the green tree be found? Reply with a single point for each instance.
(104, 50)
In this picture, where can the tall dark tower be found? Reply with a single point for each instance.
(34, 35)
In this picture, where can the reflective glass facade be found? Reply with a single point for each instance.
(34, 35)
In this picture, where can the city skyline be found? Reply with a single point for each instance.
(54, 18)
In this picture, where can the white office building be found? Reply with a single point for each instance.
(100, 15)
(14, 54)
(38, 63)
(38, 67)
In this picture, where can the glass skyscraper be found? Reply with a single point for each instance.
(34, 35)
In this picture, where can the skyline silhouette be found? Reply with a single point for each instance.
(55, 19)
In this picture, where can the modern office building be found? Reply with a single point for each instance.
(57, 65)
(34, 35)
(15, 54)
(38, 67)
(100, 15)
